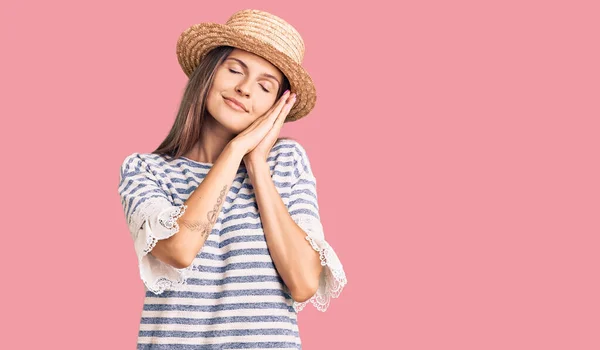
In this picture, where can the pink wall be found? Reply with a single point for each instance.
(456, 147)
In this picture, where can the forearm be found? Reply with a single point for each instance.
(204, 205)
(296, 261)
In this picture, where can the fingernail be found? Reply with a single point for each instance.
(286, 92)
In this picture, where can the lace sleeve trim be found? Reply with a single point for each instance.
(163, 283)
(168, 220)
(157, 275)
(333, 278)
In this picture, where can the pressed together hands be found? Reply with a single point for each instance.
(257, 140)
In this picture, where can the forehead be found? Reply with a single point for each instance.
(254, 62)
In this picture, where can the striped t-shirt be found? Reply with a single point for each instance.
(231, 297)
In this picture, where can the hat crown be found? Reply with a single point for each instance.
(270, 29)
(260, 33)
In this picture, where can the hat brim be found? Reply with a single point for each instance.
(196, 41)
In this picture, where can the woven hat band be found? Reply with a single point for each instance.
(269, 29)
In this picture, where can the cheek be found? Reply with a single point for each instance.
(263, 106)
(211, 97)
(220, 83)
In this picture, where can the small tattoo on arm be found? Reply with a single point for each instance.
(198, 226)
(206, 227)
(213, 214)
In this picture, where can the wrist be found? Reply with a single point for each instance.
(235, 151)
(256, 166)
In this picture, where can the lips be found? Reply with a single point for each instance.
(235, 102)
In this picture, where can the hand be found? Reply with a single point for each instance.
(257, 140)
(261, 151)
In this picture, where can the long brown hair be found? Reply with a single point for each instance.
(185, 131)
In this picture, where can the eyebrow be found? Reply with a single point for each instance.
(246, 66)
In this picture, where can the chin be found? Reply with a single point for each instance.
(234, 122)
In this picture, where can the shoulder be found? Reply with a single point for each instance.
(290, 153)
(130, 163)
(136, 162)
(291, 147)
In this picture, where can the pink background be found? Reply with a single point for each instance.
(456, 147)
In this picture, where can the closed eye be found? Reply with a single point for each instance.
(236, 72)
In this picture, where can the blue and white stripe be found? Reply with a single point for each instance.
(233, 297)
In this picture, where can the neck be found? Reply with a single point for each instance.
(213, 139)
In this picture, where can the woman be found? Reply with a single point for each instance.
(224, 214)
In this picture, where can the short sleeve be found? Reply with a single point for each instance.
(304, 210)
(150, 216)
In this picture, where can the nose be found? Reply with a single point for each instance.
(243, 88)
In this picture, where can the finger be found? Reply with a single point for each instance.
(278, 124)
(270, 122)
(286, 110)
(271, 119)
(267, 118)
(283, 98)
(280, 105)
(267, 115)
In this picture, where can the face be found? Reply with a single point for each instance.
(250, 80)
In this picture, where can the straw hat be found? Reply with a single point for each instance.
(261, 33)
